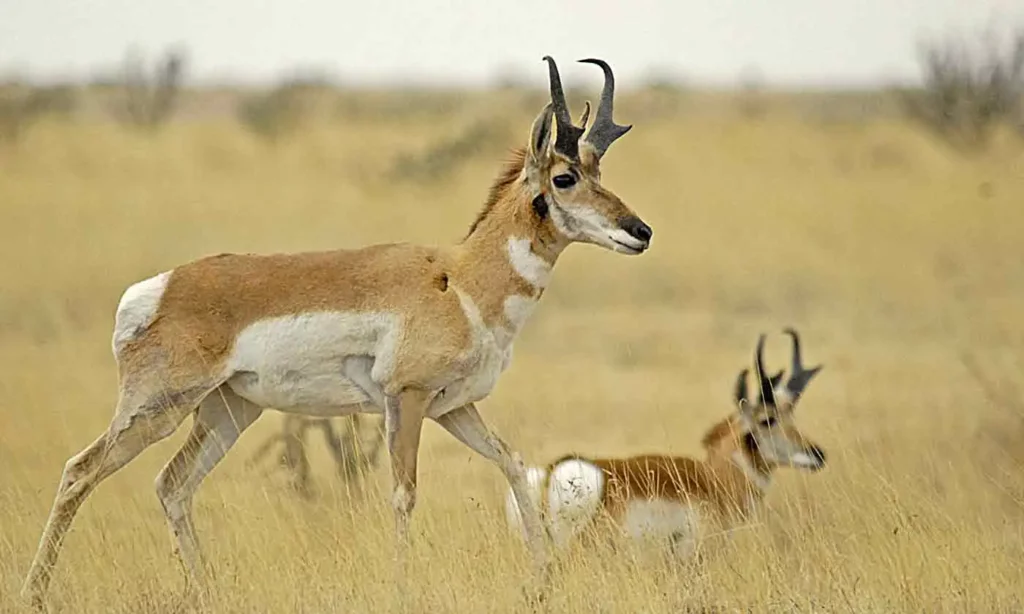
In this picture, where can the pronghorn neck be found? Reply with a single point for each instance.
(754, 470)
(729, 452)
(506, 260)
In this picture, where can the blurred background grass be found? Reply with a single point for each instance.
(897, 256)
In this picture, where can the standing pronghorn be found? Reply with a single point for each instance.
(669, 499)
(354, 452)
(411, 331)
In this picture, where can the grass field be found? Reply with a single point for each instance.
(899, 261)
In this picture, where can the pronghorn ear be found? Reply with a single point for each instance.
(585, 117)
(541, 137)
(740, 395)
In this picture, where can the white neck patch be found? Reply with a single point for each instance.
(527, 264)
(517, 309)
(757, 478)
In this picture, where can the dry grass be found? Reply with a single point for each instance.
(893, 257)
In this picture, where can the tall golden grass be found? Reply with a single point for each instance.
(898, 260)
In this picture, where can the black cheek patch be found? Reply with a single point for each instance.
(540, 206)
(750, 443)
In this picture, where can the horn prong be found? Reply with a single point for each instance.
(800, 376)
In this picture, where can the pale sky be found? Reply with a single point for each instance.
(792, 42)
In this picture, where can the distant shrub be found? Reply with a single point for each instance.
(149, 97)
(275, 114)
(752, 101)
(400, 104)
(20, 107)
(969, 89)
(446, 155)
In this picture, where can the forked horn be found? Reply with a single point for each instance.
(767, 394)
(799, 376)
(604, 132)
(567, 136)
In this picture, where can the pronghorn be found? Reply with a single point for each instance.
(354, 452)
(670, 500)
(411, 331)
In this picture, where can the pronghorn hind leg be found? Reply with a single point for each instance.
(295, 458)
(216, 426)
(341, 449)
(466, 425)
(139, 422)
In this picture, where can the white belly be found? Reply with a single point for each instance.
(672, 523)
(476, 385)
(320, 363)
(489, 354)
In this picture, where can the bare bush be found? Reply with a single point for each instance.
(402, 104)
(969, 88)
(448, 154)
(20, 107)
(150, 95)
(275, 114)
(752, 101)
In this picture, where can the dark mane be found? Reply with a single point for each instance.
(508, 175)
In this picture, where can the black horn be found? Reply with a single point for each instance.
(767, 396)
(799, 376)
(567, 136)
(604, 132)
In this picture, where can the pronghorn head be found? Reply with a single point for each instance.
(562, 170)
(768, 429)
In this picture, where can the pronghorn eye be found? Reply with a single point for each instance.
(768, 422)
(565, 180)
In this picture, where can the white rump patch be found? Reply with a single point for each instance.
(527, 264)
(535, 483)
(314, 362)
(575, 493)
(136, 309)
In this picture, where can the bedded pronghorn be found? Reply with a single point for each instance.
(354, 452)
(671, 499)
(412, 331)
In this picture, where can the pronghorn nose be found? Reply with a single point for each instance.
(636, 228)
(818, 454)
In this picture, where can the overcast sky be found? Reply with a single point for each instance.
(801, 42)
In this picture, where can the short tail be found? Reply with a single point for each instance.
(535, 480)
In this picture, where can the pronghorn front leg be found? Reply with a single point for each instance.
(466, 425)
(403, 416)
(403, 419)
